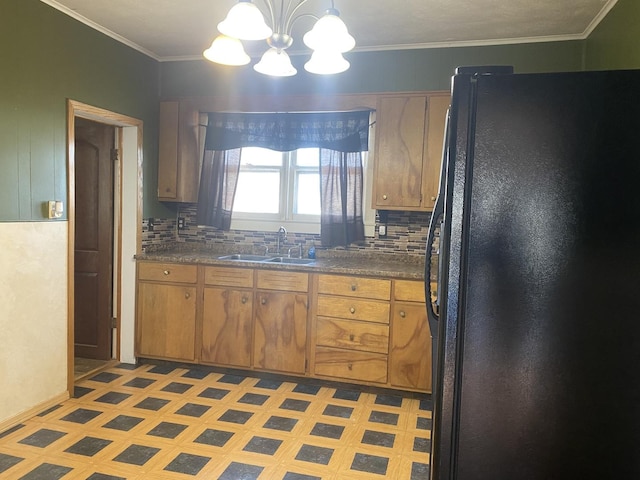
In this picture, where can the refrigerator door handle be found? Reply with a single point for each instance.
(438, 210)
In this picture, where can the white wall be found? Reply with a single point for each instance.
(33, 314)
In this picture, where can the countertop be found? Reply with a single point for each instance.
(410, 267)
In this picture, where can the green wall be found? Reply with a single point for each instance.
(48, 57)
(403, 70)
(615, 43)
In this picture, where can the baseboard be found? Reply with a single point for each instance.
(32, 412)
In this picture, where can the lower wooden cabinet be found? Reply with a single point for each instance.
(280, 332)
(410, 349)
(227, 316)
(166, 311)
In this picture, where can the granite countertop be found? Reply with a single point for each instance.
(409, 267)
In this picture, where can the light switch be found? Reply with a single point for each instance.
(56, 208)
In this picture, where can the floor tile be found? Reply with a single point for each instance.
(284, 424)
(113, 397)
(299, 476)
(193, 410)
(167, 430)
(81, 415)
(162, 369)
(370, 463)
(241, 471)
(381, 439)
(136, 454)
(216, 438)
(390, 400)
(42, 438)
(384, 417)
(79, 392)
(253, 399)
(140, 382)
(177, 387)
(105, 377)
(308, 389)
(196, 373)
(327, 430)
(337, 411)
(233, 379)
(88, 446)
(123, 422)
(187, 463)
(314, 454)
(102, 476)
(152, 403)
(214, 393)
(47, 471)
(294, 404)
(352, 395)
(269, 384)
(235, 416)
(266, 446)
(8, 461)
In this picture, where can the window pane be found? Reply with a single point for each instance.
(258, 192)
(308, 194)
(260, 157)
(308, 157)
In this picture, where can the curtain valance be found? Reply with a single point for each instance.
(339, 131)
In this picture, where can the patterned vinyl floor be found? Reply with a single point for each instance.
(164, 422)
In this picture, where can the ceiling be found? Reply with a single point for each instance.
(182, 29)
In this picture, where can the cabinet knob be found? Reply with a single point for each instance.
(354, 287)
(187, 295)
(433, 199)
(352, 309)
(350, 366)
(166, 272)
(263, 301)
(351, 337)
(403, 313)
(384, 197)
(244, 300)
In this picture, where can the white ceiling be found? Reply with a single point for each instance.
(182, 29)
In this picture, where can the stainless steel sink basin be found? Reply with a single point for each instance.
(245, 257)
(294, 261)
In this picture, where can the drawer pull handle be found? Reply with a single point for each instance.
(351, 337)
(166, 272)
(244, 299)
(350, 366)
(402, 313)
(352, 310)
(353, 287)
(263, 301)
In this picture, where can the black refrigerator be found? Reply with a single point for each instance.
(536, 329)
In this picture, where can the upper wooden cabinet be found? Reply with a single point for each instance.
(408, 152)
(178, 155)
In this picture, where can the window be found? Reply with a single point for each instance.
(286, 184)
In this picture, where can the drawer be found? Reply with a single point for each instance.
(375, 288)
(352, 335)
(228, 277)
(363, 366)
(409, 291)
(353, 309)
(168, 272)
(287, 281)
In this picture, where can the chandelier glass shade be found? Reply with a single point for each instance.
(328, 38)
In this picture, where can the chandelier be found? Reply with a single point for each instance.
(328, 39)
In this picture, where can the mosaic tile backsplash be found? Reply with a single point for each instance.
(406, 234)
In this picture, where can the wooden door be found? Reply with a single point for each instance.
(93, 275)
(410, 355)
(226, 326)
(166, 321)
(280, 331)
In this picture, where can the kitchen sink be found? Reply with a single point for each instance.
(246, 257)
(294, 261)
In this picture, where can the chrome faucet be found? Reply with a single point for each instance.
(299, 246)
(282, 237)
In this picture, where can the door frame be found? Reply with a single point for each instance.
(127, 237)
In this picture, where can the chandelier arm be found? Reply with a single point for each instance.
(271, 12)
(291, 18)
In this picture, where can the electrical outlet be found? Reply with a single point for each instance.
(382, 230)
(181, 223)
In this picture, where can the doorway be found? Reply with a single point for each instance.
(104, 216)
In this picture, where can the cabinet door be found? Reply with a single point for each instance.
(410, 356)
(166, 320)
(178, 153)
(280, 331)
(227, 326)
(400, 129)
